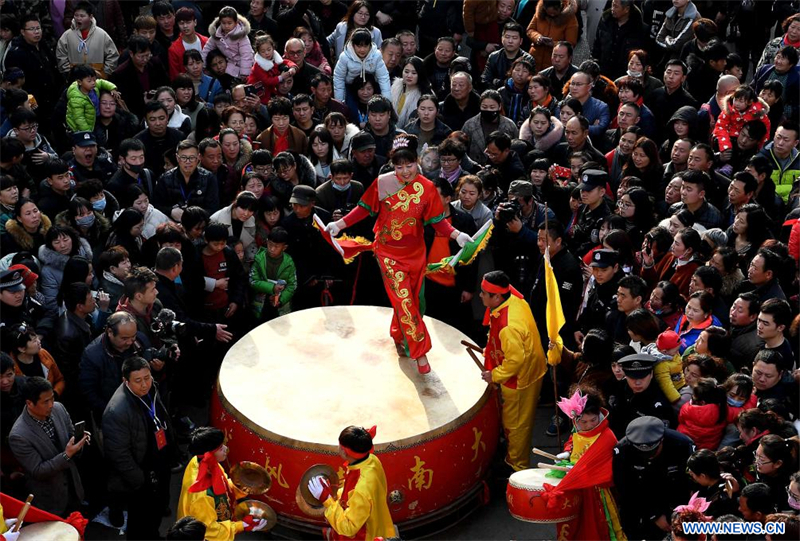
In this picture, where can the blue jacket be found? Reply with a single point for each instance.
(593, 110)
(350, 66)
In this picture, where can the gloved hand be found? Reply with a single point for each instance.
(463, 239)
(9, 535)
(563, 456)
(252, 524)
(320, 488)
(334, 228)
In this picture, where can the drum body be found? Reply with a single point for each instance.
(525, 502)
(288, 388)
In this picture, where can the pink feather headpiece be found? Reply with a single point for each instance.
(695, 504)
(573, 406)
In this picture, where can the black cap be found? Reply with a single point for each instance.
(645, 433)
(362, 141)
(521, 188)
(638, 365)
(303, 195)
(604, 258)
(593, 178)
(83, 139)
(11, 280)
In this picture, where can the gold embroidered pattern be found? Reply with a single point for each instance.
(393, 229)
(395, 279)
(407, 198)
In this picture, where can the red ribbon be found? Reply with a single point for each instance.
(209, 475)
(354, 454)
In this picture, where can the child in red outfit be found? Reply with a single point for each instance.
(266, 69)
(705, 416)
(739, 109)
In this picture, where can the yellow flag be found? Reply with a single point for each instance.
(555, 313)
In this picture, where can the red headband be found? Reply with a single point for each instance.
(489, 287)
(354, 454)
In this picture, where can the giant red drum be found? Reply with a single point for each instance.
(287, 389)
(525, 502)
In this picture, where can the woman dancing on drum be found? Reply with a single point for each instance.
(404, 202)
(591, 449)
(207, 493)
(361, 510)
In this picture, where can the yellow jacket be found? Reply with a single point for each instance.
(514, 351)
(365, 505)
(216, 515)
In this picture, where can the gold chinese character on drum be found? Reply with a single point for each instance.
(287, 388)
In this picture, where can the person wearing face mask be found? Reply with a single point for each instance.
(131, 169)
(490, 119)
(90, 224)
(101, 201)
(590, 448)
(649, 467)
(793, 491)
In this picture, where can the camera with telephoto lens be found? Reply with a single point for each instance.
(508, 210)
(167, 330)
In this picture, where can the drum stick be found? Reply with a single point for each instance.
(545, 454)
(22, 513)
(551, 467)
(470, 345)
(475, 358)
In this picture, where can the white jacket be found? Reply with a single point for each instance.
(409, 105)
(247, 236)
(351, 66)
(336, 39)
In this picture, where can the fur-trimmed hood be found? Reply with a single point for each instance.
(62, 220)
(568, 9)
(549, 139)
(241, 30)
(22, 237)
(51, 258)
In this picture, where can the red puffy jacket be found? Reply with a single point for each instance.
(700, 424)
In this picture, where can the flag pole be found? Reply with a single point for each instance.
(552, 368)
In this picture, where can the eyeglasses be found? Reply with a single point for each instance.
(34, 30)
(294, 53)
(30, 128)
(792, 494)
(187, 159)
(624, 204)
(445, 159)
(760, 461)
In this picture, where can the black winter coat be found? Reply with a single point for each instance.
(613, 42)
(172, 191)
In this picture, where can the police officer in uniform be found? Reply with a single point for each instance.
(569, 278)
(586, 232)
(650, 476)
(602, 293)
(641, 397)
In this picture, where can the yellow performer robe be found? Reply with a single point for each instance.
(515, 356)
(361, 512)
(216, 512)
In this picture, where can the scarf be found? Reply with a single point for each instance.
(209, 474)
(267, 64)
(452, 178)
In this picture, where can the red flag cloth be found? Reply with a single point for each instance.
(209, 474)
(12, 507)
(593, 470)
(347, 247)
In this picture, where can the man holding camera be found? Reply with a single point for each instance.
(517, 223)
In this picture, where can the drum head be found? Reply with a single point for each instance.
(258, 510)
(346, 364)
(48, 531)
(533, 478)
(250, 478)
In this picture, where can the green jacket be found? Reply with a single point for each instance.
(264, 289)
(81, 114)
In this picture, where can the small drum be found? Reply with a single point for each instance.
(48, 531)
(525, 502)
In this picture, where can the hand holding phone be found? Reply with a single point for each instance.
(80, 428)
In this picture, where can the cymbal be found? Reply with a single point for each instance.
(251, 478)
(305, 507)
(259, 510)
(318, 469)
